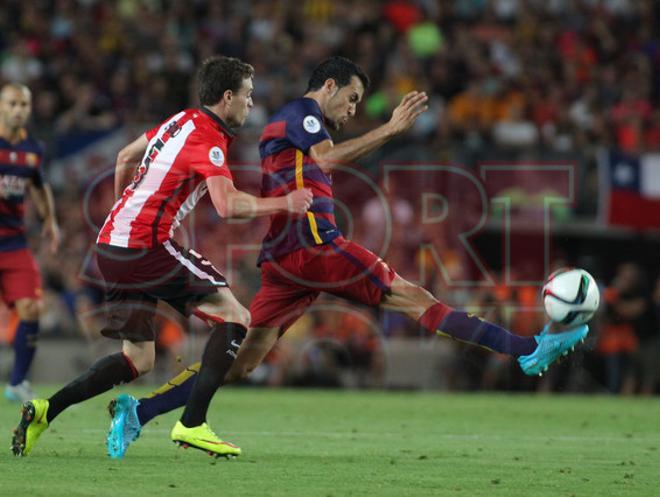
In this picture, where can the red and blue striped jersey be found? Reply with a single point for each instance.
(286, 166)
(20, 165)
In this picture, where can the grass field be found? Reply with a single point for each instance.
(319, 443)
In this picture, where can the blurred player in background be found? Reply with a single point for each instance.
(302, 257)
(21, 161)
(180, 160)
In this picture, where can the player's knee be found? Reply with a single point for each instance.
(236, 314)
(425, 296)
(419, 295)
(240, 315)
(144, 364)
(415, 294)
(244, 317)
(143, 360)
(27, 309)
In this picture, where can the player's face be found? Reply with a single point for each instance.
(241, 104)
(15, 107)
(343, 103)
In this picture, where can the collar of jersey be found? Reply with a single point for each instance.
(223, 126)
(23, 135)
(316, 104)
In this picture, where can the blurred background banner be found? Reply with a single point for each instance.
(542, 141)
(633, 196)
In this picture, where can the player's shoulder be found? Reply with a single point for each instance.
(34, 150)
(204, 136)
(195, 117)
(301, 113)
(28, 143)
(300, 107)
(34, 144)
(207, 141)
(209, 127)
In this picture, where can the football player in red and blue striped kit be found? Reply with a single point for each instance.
(305, 255)
(21, 160)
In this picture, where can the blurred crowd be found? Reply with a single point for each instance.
(520, 79)
(564, 74)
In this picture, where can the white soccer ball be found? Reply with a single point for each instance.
(570, 296)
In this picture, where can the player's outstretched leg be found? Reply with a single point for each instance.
(535, 354)
(129, 414)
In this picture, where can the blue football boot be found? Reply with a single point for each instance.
(551, 346)
(125, 426)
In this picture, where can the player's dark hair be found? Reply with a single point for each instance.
(219, 74)
(338, 68)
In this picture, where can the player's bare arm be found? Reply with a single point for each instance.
(231, 202)
(43, 198)
(127, 160)
(326, 154)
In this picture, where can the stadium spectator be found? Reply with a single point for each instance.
(649, 349)
(626, 305)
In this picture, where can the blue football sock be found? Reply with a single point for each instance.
(172, 395)
(472, 329)
(25, 345)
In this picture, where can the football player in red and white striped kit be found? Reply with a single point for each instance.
(181, 159)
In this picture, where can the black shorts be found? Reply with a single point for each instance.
(136, 279)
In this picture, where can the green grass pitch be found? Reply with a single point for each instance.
(338, 443)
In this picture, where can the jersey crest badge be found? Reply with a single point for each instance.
(311, 124)
(216, 156)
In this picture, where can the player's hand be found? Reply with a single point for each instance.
(412, 105)
(299, 201)
(52, 230)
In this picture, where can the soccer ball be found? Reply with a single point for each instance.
(570, 296)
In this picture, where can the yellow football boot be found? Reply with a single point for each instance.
(32, 425)
(202, 437)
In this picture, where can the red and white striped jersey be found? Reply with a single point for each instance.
(182, 152)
